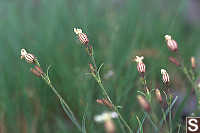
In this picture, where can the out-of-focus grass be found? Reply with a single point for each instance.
(118, 30)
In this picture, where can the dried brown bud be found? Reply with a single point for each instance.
(104, 102)
(92, 70)
(109, 126)
(35, 72)
(39, 69)
(144, 103)
(174, 61)
(158, 95)
(193, 62)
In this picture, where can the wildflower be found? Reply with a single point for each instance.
(30, 58)
(107, 119)
(158, 95)
(144, 103)
(81, 36)
(165, 76)
(174, 61)
(140, 64)
(104, 102)
(171, 44)
(193, 62)
(105, 116)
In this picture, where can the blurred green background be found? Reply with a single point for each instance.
(117, 29)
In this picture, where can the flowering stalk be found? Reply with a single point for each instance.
(96, 75)
(115, 108)
(39, 73)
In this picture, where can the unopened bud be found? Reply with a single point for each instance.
(193, 62)
(92, 70)
(35, 72)
(39, 69)
(174, 61)
(81, 36)
(105, 102)
(158, 96)
(144, 103)
(171, 44)
(165, 76)
(109, 126)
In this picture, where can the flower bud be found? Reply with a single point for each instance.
(174, 61)
(165, 76)
(35, 72)
(39, 69)
(92, 70)
(105, 102)
(81, 36)
(144, 103)
(171, 44)
(158, 96)
(193, 62)
(109, 126)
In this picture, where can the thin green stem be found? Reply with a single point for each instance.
(170, 116)
(97, 77)
(114, 107)
(62, 101)
(152, 122)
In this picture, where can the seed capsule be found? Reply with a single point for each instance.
(171, 44)
(144, 103)
(165, 76)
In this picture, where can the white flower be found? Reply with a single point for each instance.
(168, 37)
(77, 31)
(23, 53)
(106, 116)
(163, 71)
(139, 59)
